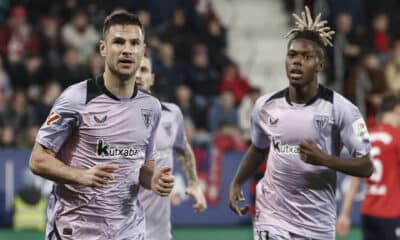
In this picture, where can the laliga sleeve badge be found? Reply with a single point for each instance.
(52, 118)
(360, 130)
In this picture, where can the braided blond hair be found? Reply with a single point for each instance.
(306, 23)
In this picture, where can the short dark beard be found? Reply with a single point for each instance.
(123, 77)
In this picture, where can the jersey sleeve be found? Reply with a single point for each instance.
(352, 128)
(180, 135)
(64, 117)
(259, 138)
(151, 148)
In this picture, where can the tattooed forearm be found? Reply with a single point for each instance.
(185, 158)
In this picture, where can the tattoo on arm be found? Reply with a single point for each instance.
(185, 158)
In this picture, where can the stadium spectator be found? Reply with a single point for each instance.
(392, 71)
(71, 70)
(18, 37)
(345, 51)
(202, 77)
(245, 109)
(191, 110)
(168, 71)
(179, 34)
(223, 110)
(233, 80)
(215, 37)
(19, 115)
(81, 35)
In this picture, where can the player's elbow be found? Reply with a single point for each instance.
(37, 161)
(369, 169)
(36, 164)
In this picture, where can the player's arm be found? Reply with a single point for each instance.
(343, 223)
(146, 174)
(44, 163)
(186, 160)
(249, 165)
(161, 182)
(356, 166)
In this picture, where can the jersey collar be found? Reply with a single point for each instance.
(102, 87)
(320, 94)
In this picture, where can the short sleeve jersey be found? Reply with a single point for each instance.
(295, 195)
(88, 126)
(170, 135)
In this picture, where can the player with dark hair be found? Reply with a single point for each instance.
(170, 141)
(302, 129)
(380, 208)
(98, 145)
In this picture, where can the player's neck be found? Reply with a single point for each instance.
(303, 94)
(117, 86)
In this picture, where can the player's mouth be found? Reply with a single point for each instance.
(296, 74)
(125, 62)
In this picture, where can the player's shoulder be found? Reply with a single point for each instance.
(269, 97)
(152, 101)
(169, 106)
(172, 108)
(343, 105)
(75, 94)
(340, 100)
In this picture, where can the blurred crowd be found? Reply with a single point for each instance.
(46, 46)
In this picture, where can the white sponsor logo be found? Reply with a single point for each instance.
(104, 149)
(284, 148)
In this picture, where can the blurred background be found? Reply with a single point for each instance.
(213, 58)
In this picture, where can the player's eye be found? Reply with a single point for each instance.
(291, 54)
(118, 41)
(135, 42)
(309, 57)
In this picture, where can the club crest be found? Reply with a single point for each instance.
(168, 129)
(320, 121)
(146, 115)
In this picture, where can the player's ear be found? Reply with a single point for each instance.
(321, 65)
(102, 48)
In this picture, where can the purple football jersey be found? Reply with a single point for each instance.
(169, 135)
(294, 195)
(89, 126)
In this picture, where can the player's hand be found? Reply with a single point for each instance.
(343, 225)
(195, 192)
(311, 153)
(162, 182)
(236, 194)
(97, 176)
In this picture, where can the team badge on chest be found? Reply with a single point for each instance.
(320, 121)
(168, 129)
(146, 115)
